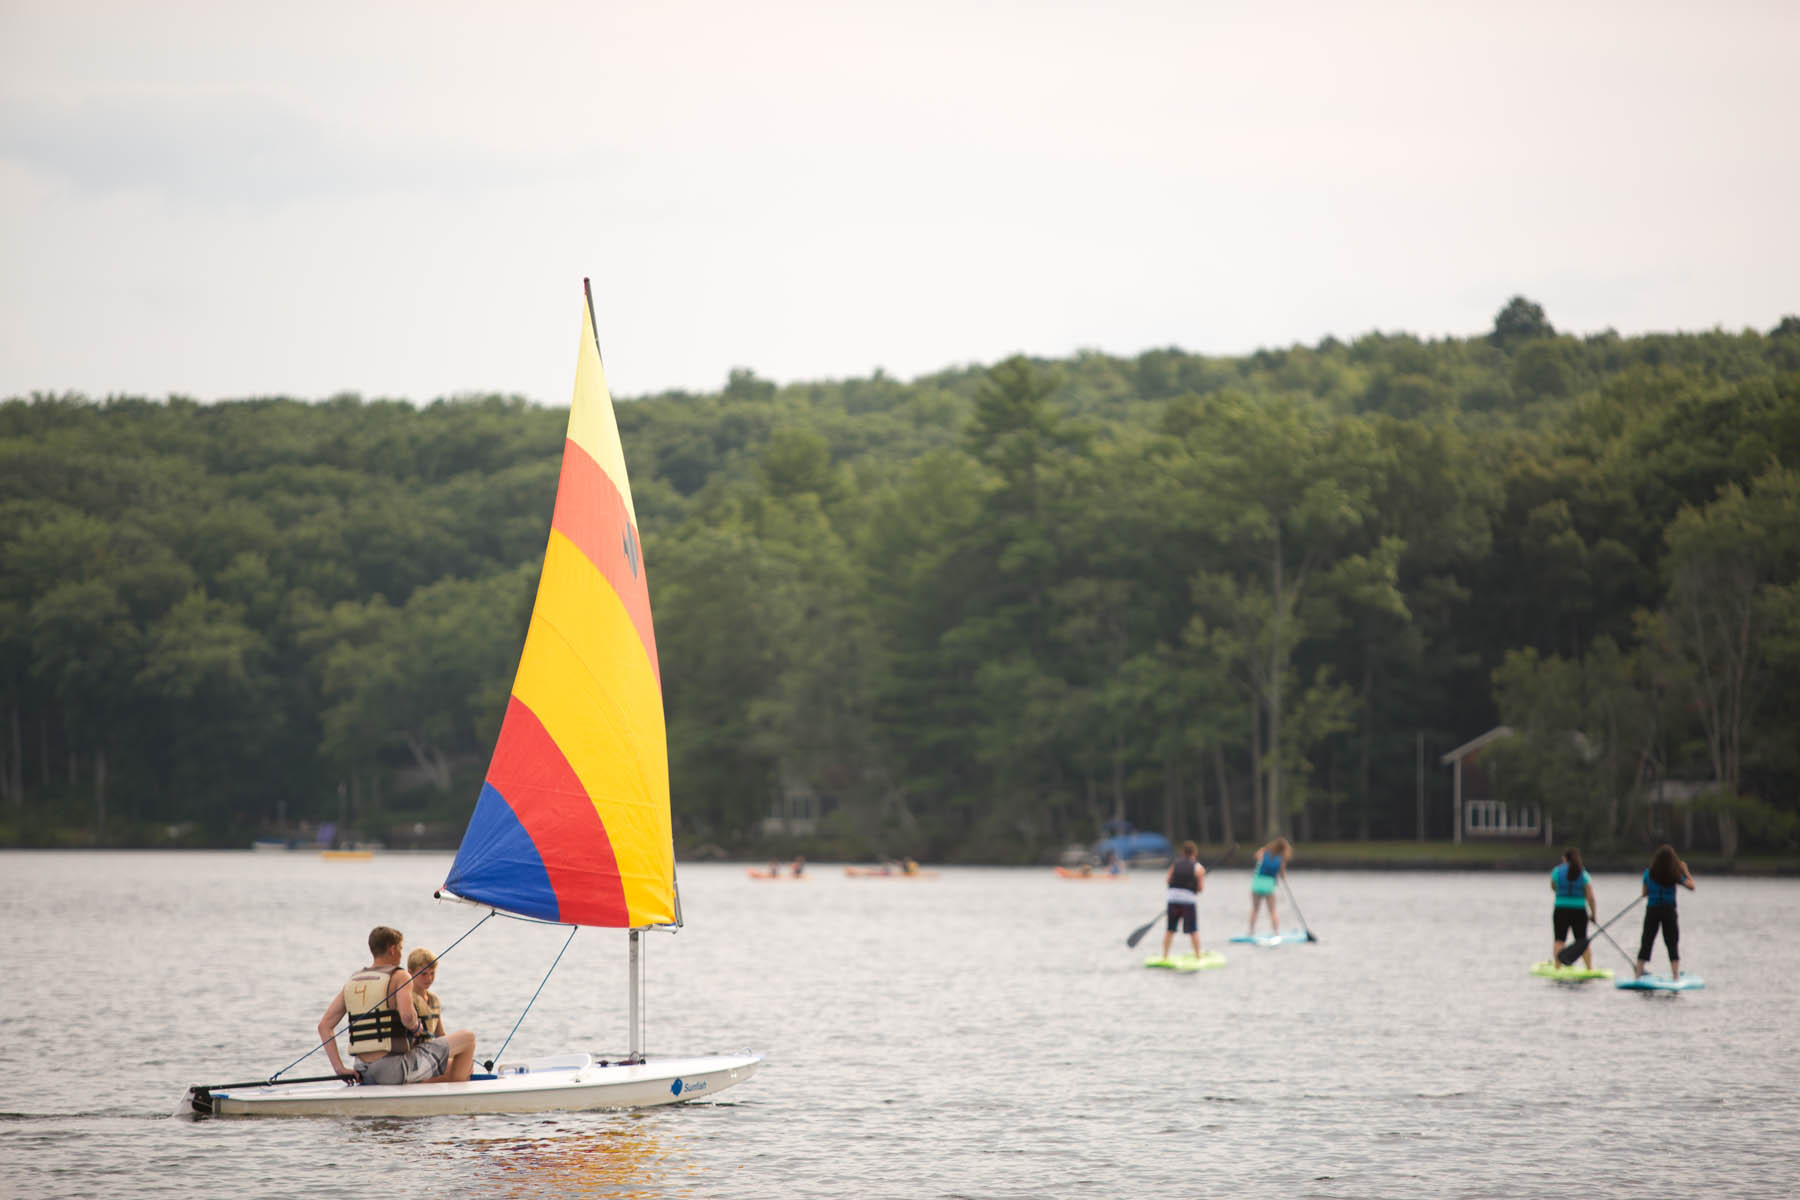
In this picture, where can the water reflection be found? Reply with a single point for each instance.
(627, 1157)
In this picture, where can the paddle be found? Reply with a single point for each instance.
(1616, 946)
(1137, 935)
(1297, 912)
(1569, 953)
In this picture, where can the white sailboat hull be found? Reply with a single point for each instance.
(565, 1083)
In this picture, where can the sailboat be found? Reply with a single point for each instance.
(572, 825)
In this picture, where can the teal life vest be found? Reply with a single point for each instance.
(1570, 893)
(1659, 895)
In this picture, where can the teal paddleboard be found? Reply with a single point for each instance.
(1285, 938)
(1661, 983)
(1187, 962)
(1550, 970)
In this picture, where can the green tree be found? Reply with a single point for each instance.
(430, 677)
(712, 585)
(1520, 321)
(1731, 570)
(87, 650)
(1585, 733)
(1289, 493)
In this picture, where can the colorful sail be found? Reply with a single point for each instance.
(572, 824)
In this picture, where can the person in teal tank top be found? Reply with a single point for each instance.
(1574, 905)
(1271, 866)
(1665, 873)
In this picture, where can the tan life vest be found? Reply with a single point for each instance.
(374, 1024)
(428, 1010)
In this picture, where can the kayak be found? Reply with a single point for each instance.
(1285, 938)
(884, 873)
(755, 874)
(1661, 983)
(1075, 873)
(1549, 970)
(1187, 962)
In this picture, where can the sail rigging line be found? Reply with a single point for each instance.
(573, 930)
(453, 945)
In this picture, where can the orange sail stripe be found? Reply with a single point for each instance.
(591, 513)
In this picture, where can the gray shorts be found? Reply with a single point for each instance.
(422, 1062)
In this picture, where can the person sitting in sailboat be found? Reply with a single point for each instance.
(387, 1040)
(422, 963)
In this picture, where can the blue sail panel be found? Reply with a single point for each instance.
(498, 863)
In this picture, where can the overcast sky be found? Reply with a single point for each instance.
(233, 199)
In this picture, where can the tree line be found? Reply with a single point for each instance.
(970, 616)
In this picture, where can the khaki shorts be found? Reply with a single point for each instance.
(422, 1062)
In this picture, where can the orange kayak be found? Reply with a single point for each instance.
(1076, 873)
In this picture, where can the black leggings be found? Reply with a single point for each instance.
(1566, 921)
(1661, 917)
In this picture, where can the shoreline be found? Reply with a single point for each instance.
(1329, 856)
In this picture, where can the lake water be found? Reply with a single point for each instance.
(984, 1033)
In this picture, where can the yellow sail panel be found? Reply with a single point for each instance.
(591, 422)
(585, 675)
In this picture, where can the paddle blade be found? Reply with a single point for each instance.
(1137, 935)
(1569, 953)
(1311, 936)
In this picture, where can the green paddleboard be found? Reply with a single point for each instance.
(1550, 970)
(1187, 962)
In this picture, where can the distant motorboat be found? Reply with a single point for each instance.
(1127, 844)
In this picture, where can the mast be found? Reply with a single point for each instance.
(636, 971)
(587, 294)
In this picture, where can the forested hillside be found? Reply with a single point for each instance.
(966, 617)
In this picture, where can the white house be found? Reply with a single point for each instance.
(1478, 813)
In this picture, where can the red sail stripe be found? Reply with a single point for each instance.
(530, 770)
(591, 513)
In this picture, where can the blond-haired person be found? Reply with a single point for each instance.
(1270, 868)
(422, 963)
